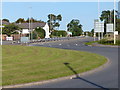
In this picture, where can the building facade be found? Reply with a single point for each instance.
(25, 28)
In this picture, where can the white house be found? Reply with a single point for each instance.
(46, 28)
(25, 27)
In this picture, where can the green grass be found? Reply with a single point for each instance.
(24, 64)
(90, 43)
(104, 42)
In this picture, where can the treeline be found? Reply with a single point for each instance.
(22, 20)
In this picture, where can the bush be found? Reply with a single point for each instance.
(59, 33)
(34, 35)
(40, 32)
(109, 42)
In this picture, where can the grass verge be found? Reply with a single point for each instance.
(24, 64)
(104, 42)
(90, 43)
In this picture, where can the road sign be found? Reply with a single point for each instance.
(116, 32)
(98, 26)
(109, 27)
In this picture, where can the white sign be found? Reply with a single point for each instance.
(9, 38)
(24, 39)
(109, 28)
(116, 32)
(98, 26)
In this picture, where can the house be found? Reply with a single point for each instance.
(4, 23)
(25, 27)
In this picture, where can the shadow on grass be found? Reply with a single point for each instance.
(78, 77)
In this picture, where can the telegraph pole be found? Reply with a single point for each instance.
(114, 21)
(98, 17)
(1, 20)
(29, 22)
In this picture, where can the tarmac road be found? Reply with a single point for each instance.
(105, 78)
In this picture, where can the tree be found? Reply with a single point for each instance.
(56, 24)
(33, 20)
(92, 32)
(53, 21)
(108, 17)
(39, 32)
(118, 25)
(5, 20)
(59, 18)
(10, 29)
(75, 27)
(20, 20)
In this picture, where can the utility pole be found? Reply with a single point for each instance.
(114, 22)
(29, 22)
(1, 20)
(98, 17)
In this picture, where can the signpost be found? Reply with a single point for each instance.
(109, 27)
(98, 28)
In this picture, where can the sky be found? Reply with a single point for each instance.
(86, 12)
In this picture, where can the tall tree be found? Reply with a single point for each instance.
(34, 20)
(53, 21)
(118, 25)
(75, 27)
(59, 18)
(108, 17)
(56, 24)
(105, 16)
(20, 20)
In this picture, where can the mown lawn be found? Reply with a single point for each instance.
(24, 64)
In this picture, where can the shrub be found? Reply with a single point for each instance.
(59, 33)
(40, 32)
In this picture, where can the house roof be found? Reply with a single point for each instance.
(4, 23)
(33, 25)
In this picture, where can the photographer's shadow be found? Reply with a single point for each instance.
(78, 77)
